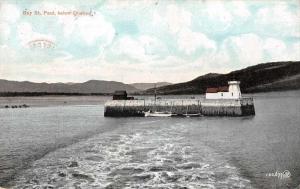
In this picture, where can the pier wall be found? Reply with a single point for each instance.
(206, 107)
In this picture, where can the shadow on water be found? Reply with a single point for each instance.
(29, 150)
(255, 145)
(261, 144)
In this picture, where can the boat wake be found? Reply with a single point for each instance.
(147, 156)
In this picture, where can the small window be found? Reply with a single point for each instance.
(231, 94)
(221, 94)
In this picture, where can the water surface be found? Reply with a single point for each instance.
(73, 146)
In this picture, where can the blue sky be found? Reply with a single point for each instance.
(144, 41)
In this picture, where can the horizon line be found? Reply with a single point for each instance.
(130, 83)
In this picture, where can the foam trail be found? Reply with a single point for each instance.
(143, 156)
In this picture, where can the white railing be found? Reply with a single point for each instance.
(181, 102)
(247, 101)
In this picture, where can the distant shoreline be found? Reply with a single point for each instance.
(24, 102)
(33, 94)
(21, 94)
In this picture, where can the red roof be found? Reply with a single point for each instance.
(223, 89)
(218, 89)
(211, 90)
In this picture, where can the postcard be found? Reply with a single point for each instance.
(150, 94)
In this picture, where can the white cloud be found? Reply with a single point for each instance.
(296, 48)
(26, 34)
(295, 52)
(239, 9)
(246, 48)
(275, 48)
(7, 63)
(116, 5)
(178, 22)
(68, 22)
(173, 69)
(250, 49)
(7, 55)
(130, 47)
(240, 51)
(217, 14)
(173, 17)
(93, 28)
(152, 45)
(60, 69)
(142, 48)
(64, 69)
(4, 31)
(186, 26)
(9, 13)
(177, 18)
(279, 20)
(89, 28)
(189, 41)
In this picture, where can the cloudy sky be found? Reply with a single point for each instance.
(143, 41)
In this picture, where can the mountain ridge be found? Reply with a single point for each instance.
(264, 77)
(90, 86)
(145, 86)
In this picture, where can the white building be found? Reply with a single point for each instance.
(232, 91)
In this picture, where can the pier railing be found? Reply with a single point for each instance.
(247, 101)
(181, 102)
(210, 107)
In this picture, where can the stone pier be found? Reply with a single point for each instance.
(205, 107)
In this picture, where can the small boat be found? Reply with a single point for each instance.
(192, 115)
(157, 114)
(187, 115)
(151, 113)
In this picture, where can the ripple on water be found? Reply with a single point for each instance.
(140, 158)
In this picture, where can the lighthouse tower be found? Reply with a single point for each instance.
(234, 89)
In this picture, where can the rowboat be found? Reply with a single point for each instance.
(157, 114)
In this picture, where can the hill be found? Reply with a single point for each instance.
(89, 87)
(274, 76)
(145, 86)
